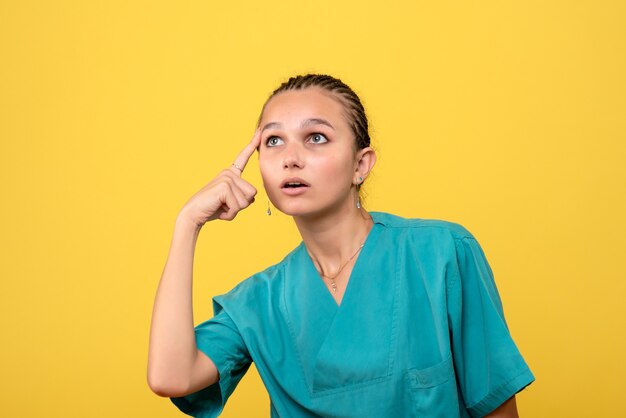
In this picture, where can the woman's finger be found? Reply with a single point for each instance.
(242, 200)
(243, 157)
(248, 190)
(231, 204)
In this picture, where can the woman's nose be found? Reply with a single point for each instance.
(292, 158)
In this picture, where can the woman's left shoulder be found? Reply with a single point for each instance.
(423, 226)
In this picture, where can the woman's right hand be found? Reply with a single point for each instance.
(226, 194)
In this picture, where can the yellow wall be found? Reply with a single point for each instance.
(507, 117)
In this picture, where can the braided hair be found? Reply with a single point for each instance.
(348, 98)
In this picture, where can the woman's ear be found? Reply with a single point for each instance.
(365, 160)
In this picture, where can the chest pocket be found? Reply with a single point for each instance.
(433, 391)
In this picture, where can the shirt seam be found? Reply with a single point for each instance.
(483, 404)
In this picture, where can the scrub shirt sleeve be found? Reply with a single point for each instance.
(221, 341)
(489, 367)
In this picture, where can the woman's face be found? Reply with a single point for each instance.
(305, 138)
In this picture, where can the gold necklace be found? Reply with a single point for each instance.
(332, 279)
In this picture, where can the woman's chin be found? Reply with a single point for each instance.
(296, 209)
(310, 212)
(292, 210)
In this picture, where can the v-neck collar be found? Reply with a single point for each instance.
(360, 263)
(325, 332)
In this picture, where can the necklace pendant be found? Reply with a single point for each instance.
(334, 286)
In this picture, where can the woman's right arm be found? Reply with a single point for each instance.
(175, 365)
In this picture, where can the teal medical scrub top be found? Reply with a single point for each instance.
(420, 332)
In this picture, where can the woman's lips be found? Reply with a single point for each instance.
(293, 180)
(294, 191)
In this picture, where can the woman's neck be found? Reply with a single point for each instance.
(333, 239)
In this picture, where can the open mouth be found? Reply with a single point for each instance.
(294, 185)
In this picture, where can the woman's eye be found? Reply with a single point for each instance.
(318, 138)
(272, 141)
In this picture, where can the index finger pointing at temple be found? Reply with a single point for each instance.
(246, 153)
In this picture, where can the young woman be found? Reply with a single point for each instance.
(372, 315)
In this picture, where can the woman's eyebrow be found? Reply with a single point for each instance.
(271, 125)
(304, 124)
(316, 121)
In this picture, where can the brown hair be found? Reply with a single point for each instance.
(348, 98)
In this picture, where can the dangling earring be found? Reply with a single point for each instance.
(358, 200)
(269, 211)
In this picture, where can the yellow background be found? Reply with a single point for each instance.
(507, 117)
